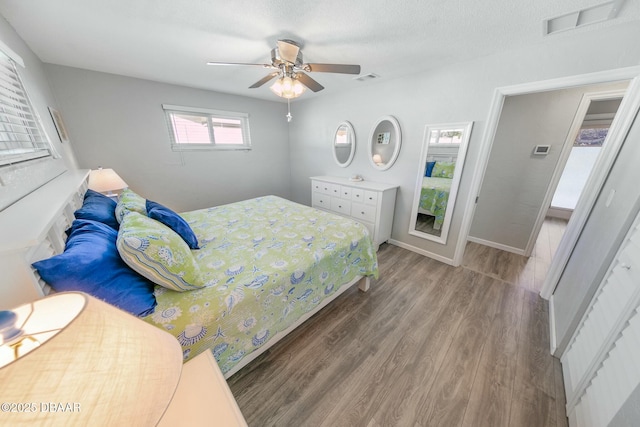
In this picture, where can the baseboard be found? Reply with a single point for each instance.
(552, 328)
(496, 245)
(561, 213)
(422, 252)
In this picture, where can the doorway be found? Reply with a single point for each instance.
(619, 128)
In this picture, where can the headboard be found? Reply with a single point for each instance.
(32, 229)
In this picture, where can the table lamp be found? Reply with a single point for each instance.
(106, 181)
(73, 360)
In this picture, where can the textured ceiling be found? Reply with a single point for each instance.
(171, 40)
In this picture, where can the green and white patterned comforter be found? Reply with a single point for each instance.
(267, 262)
(434, 197)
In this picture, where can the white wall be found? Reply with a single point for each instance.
(461, 92)
(118, 122)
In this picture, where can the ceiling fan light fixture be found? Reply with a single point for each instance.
(287, 87)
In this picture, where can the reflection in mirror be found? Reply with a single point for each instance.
(384, 143)
(439, 170)
(344, 144)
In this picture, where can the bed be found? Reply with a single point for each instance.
(436, 186)
(268, 263)
(434, 196)
(263, 267)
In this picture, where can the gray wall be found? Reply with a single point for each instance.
(18, 180)
(118, 122)
(508, 207)
(461, 92)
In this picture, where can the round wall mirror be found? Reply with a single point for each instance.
(344, 144)
(384, 143)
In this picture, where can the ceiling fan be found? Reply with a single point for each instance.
(287, 60)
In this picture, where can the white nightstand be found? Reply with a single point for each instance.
(203, 397)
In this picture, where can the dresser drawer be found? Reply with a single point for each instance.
(323, 187)
(334, 190)
(345, 192)
(357, 195)
(370, 197)
(340, 205)
(363, 212)
(320, 200)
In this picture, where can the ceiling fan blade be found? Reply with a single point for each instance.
(288, 51)
(332, 68)
(263, 80)
(309, 82)
(241, 63)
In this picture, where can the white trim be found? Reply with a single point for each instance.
(553, 345)
(398, 138)
(352, 136)
(217, 113)
(455, 182)
(615, 139)
(495, 245)
(420, 251)
(277, 337)
(170, 109)
(478, 175)
(578, 119)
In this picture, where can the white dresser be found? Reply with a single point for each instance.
(371, 203)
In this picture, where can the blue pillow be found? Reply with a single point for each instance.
(430, 166)
(90, 263)
(174, 221)
(98, 207)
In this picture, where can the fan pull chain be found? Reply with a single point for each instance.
(289, 116)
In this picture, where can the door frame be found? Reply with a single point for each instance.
(585, 102)
(617, 132)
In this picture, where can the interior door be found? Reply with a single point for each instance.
(613, 212)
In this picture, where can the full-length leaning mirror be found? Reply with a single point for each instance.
(440, 166)
(384, 143)
(344, 144)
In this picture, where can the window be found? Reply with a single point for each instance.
(21, 135)
(204, 129)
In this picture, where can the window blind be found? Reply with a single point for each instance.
(21, 135)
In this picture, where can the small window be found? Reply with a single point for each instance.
(203, 129)
(21, 135)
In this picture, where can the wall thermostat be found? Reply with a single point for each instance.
(541, 150)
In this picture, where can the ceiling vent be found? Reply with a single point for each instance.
(366, 77)
(580, 18)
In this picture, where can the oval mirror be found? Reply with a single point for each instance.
(344, 144)
(439, 170)
(384, 143)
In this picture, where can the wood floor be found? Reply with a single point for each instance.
(428, 345)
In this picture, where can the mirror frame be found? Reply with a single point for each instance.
(455, 183)
(396, 136)
(352, 134)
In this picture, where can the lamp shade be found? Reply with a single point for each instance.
(94, 365)
(105, 181)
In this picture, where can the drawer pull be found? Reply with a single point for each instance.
(340, 206)
(362, 213)
(357, 195)
(370, 198)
